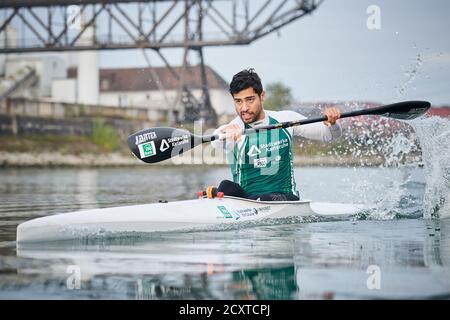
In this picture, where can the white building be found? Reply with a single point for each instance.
(153, 88)
(46, 76)
(28, 76)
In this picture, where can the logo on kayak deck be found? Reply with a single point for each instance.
(147, 149)
(145, 137)
(225, 212)
(243, 213)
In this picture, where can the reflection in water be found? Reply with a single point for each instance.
(87, 189)
(267, 283)
(437, 244)
(277, 283)
(299, 261)
(320, 260)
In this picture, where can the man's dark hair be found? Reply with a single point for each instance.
(246, 79)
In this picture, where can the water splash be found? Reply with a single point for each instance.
(411, 74)
(419, 148)
(422, 149)
(433, 135)
(379, 141)
(397, 149)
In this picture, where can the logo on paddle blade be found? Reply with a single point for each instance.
(147, 149)
(225, 212)
(145, 137)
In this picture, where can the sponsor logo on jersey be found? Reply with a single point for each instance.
(275, 145)
(254, 151)
(260, 163)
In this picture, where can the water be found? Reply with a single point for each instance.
(433, 135)
(389, 252)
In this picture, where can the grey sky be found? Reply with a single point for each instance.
(332, 55)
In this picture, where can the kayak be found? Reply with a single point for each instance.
(185, 215)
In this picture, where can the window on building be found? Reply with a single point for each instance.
(123, 100)
(105, 84)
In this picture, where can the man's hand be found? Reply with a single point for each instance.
(332, 114)
(233, 131)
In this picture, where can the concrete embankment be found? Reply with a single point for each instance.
(56, 159)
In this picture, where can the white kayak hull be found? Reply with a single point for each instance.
(158, 217)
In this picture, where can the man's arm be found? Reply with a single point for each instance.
(233, 132)
(321, 131)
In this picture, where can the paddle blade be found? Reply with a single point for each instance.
(406, 110)
(159, 144)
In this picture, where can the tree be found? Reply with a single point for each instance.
(278, 96)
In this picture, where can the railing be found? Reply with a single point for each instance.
(10, 84)
(61, 110)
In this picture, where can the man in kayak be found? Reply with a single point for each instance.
(262, 162)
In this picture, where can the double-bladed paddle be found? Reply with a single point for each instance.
(161, 143)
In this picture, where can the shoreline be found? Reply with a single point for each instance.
(105, 160)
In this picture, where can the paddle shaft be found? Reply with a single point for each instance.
(377, 111)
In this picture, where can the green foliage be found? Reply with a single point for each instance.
(278, 96)
(105, 136)
(82, 110)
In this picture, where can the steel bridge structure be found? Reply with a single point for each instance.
(190, 25)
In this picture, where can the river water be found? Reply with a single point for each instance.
(395, 250)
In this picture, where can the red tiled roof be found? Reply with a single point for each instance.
(140, 79)
(441, 112)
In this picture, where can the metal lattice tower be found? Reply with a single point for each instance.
(59, 25)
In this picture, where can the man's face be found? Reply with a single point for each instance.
(249, 105)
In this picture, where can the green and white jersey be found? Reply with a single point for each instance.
(262, 162)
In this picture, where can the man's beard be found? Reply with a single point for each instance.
(249, 117)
